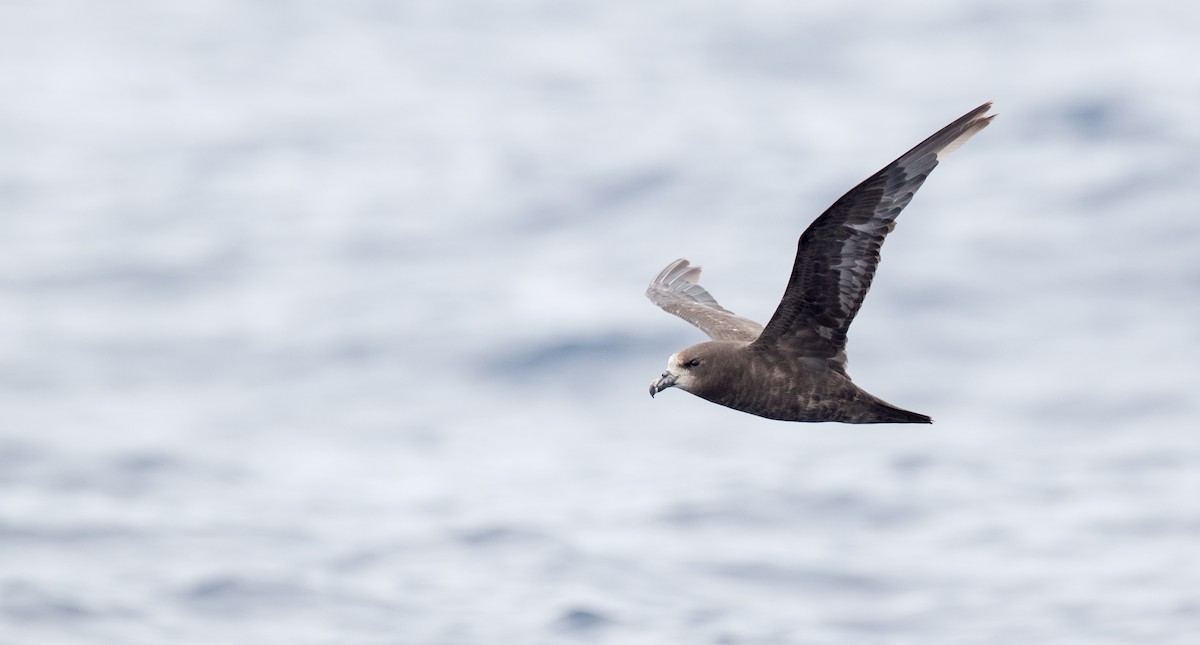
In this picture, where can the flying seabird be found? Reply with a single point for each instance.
(794, 369)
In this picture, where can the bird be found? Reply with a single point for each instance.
(794, 368)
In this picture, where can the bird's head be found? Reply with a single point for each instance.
(687, 368)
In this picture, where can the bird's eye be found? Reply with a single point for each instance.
(695, 362)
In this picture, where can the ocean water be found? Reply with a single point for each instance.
(323, 323)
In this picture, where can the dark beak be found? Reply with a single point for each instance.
(668, 379)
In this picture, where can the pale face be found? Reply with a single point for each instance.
(682, 364)
(679, 373)
(688, 368)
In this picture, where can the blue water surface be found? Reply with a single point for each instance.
(323, 323)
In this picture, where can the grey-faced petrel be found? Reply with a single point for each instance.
(794, 369)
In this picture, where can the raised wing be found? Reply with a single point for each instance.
(838, 254)
(677, 291)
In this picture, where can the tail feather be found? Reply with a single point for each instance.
(878, 411)
(890, 414)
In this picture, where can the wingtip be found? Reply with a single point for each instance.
(983, 109)
(981, 116)
(679, 269)
(968, 126)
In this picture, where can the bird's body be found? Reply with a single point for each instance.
(787, 386)
(794, 369)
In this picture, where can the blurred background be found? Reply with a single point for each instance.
(322, 322)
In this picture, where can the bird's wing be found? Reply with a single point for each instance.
(677, 292)
(839, 251)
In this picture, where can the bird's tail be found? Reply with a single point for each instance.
(886, 413)
(872, 409)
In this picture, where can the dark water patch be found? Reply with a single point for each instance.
(26, 603)
(136, 278)
(30, 379)
(482, 541)
(491, 536)
(581, 619)
(146, 464)
(371, 557)
(913, 464)
(236, 596)
(819, 579)
(1092, 117)
(1187, 609)
(769, 510)
(17, 458)
(698, 514)
(133, 474)
(852, 507)
(553, 357)
(43, 534)
(1095, 118)
(615, 191)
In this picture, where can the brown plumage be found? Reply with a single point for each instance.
(794, 369)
